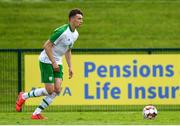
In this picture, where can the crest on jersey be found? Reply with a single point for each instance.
(50, 78)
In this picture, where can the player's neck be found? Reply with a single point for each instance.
(72, 27)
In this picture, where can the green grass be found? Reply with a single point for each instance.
(107, 24)
(86, 118)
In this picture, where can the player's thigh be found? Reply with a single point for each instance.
(47, 73)
(49, 88)
(47, 76)
(58, 80)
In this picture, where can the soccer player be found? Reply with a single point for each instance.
(59, 43)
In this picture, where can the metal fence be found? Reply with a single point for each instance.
(12, 78)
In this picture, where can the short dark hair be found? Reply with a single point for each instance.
(75, 11)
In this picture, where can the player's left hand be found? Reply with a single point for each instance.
(70, 73)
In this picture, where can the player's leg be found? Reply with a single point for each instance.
(47, 76)
(57, 85)
(24, 96)
(49, 98)
(45, 102)
(58, 80)
(35, 93)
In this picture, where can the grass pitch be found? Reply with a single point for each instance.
(92, 118)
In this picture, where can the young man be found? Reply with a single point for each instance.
(59, 43)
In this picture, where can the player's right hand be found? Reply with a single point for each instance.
(55, 67)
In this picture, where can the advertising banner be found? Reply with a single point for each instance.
(116, 79)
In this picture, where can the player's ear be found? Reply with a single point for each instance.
(71, 19)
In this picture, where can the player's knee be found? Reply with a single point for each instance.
(49, 88)
(50, 91)
(57, 87)
(57, 90)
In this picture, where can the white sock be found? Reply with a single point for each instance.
(35, 93)
(45, 103)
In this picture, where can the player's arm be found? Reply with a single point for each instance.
(68, 60)
(48, 48)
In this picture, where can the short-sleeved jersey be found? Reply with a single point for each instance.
(63, 39)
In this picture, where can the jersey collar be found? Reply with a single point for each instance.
(70, 28)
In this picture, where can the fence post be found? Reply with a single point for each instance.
(19, 71)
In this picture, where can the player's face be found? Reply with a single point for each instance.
(78, 20)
